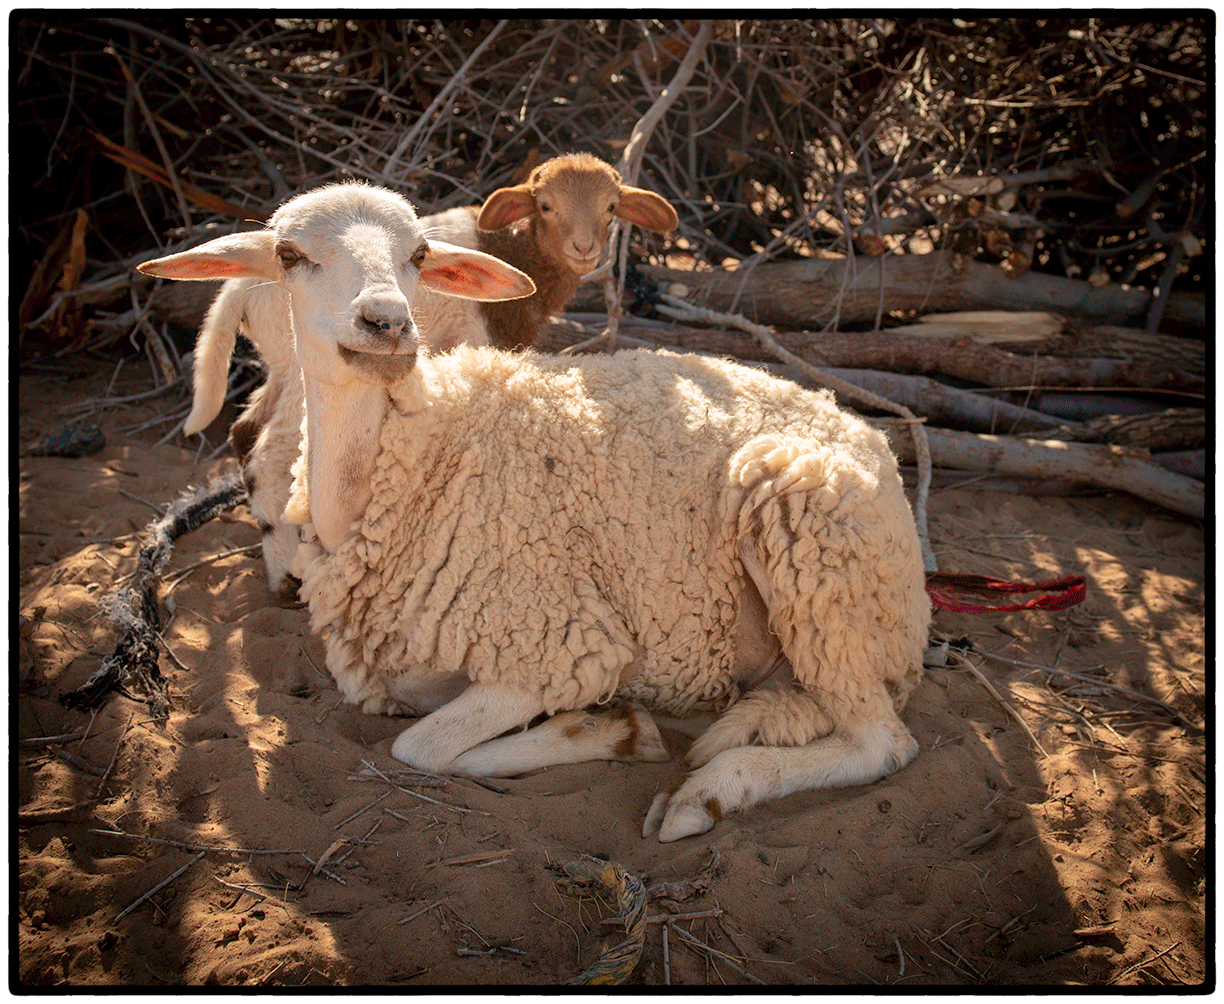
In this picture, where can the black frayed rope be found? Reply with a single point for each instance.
(133, 668)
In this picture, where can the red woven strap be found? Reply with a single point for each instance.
(1058, 594)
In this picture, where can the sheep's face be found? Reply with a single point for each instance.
(571, 201)
(574, 210)
(351, 257)
(352, 266)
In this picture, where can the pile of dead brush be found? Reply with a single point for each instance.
(839, 180)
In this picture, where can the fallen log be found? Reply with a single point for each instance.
(1168, 430)
(182, 303)
(811, 292)
(993, 327)
(1119, 468)
(1054, 335)
(1192, 463)
(1110, 341)
(901, 353)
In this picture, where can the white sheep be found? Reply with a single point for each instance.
(553, 227)
(497, 536)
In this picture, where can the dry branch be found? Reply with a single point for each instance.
(1109, 341)
(1171, 429)
(472, 859)
(67, 737)
(193, 847)
(630, 164)
(901, 353)
(1114, 467)
(157, 888)
(135, 162)
(134, 665)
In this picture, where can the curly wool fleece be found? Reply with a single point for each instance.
(575, 527)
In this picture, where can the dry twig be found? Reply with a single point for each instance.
(981, 677)
(157, 888)
(194, 847)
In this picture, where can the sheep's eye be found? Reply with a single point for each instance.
(545, 207)
(611, 207)
(418, 256)
(289, 258)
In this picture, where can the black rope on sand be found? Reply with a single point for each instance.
(133, 668)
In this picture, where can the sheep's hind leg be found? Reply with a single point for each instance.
(854, 753)
(461, 737)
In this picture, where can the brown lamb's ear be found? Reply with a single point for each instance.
(647, 210)
(505, 206)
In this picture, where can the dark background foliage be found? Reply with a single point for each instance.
(794, 137)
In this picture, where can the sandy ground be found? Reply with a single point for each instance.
(986, 861)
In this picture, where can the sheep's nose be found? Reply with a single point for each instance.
(584, 250)
(383, 316)
(383, 328)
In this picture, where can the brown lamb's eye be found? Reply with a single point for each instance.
(545, 207)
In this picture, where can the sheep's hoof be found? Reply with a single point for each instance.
(905, 748)
(675, 820)
(645, 742)
(287, 592)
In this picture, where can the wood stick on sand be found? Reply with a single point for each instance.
(158, 887)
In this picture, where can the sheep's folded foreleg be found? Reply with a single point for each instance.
(854, 753)
(460, 737)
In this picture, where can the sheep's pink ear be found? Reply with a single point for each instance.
(472, 274)
(248, 255)
(505, 206)
(647, 210)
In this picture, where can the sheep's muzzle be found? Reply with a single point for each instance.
(379, 368)
(582, 266)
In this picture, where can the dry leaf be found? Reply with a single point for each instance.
(75, 265)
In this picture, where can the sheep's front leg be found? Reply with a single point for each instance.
(460, 737)
(266, 438)
(855, 753)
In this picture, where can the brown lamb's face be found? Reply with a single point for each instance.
(575, 209)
